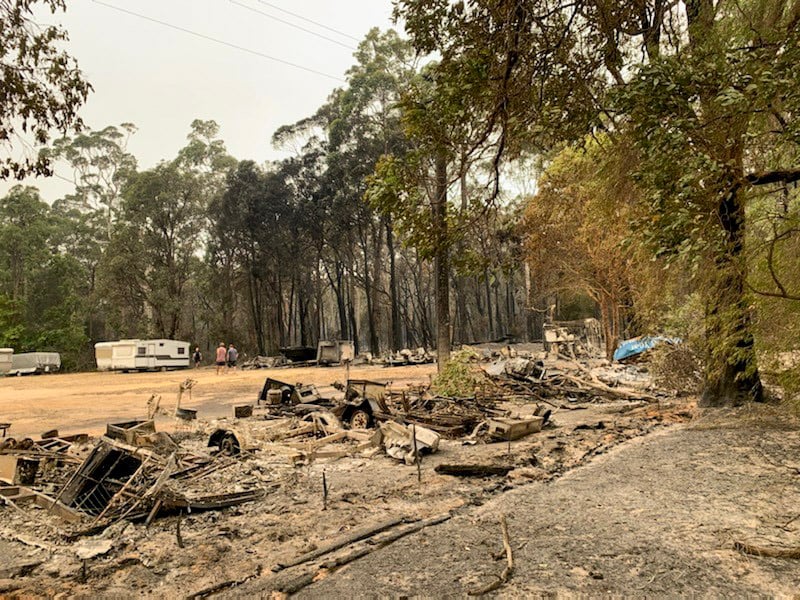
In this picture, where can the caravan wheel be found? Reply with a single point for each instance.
(360, 419)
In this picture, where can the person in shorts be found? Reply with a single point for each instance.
(221, 357)
(233, 355)
(197, 357)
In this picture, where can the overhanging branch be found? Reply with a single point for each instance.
(767, 177)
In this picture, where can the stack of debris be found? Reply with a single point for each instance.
(264, 362)
(131, 473)
(567, 380)
(406, 357)
(284, 411)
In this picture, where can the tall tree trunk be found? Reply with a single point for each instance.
(529, 312)
(279, 335)
(487, 288)
(351, 311)
(731, 375)
(372, 338)
(396, 332)
(291, 328)
(511, 306)
(256, 312)
(377, 286)
(498, 323)
(339, 291)
(460, 330)
(441, 262)
(302, 314)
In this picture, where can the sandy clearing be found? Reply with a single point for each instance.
(85, 402)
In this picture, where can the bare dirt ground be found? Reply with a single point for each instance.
(85, 402)
(611, 499)
(657, 516)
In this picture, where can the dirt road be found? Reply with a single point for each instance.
(85, 402)
(655, 517)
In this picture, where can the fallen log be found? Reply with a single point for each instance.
(620, 392)
(472, 470)
(345, 541)
(767, 551)
(306, 578)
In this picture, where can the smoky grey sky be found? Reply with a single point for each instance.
(162, 78)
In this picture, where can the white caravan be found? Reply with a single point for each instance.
(144, 355)
(35, 362)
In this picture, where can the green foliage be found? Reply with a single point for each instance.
(461, 376)
(42, 290)
(42, 85)
(705, 94)
(102, 165)
(12, 325)
(152, 252)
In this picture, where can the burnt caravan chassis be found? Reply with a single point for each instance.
(363, 401)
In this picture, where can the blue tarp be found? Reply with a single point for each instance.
(641, 344)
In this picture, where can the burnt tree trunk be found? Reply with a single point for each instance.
(731, 375)
(441, 262)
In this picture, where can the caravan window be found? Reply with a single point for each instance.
(160, 343)
(141, 350)
(181, 350)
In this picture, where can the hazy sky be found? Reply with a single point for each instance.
(161, 78)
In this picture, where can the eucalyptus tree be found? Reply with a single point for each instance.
(42, 285)
(212, 296)
(153, 251)
(366, 125)
(101, 166)
(339, 148)
(251, 220)
(419, 187)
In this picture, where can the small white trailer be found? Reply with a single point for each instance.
(29, 363)
(146, 355)
(5, 360)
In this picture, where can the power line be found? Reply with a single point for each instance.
(288, 12)
(290, 24)
(218, 41)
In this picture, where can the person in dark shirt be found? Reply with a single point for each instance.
(197, 357)
(233, 355)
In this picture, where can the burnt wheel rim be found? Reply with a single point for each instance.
(359, 420)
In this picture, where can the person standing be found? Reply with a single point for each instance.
(221, 356)
(197, 357)
(233, 355)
